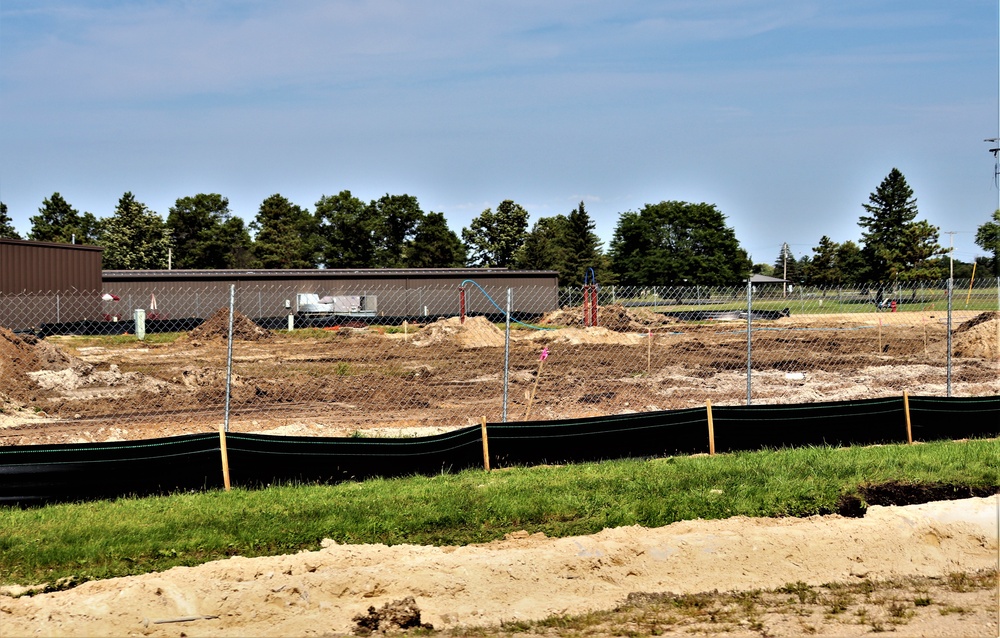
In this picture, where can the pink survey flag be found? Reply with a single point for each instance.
(545, 354)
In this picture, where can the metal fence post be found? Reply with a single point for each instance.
(749, 341)
(229, 355)
(951, 283)
(506, 357)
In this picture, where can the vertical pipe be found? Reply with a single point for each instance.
(506, 358)
(229, 356)
(749, 341)
(461, 304)
(950, 286)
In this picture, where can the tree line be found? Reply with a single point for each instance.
(668, 243)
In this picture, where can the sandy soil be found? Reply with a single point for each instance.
(533, 577)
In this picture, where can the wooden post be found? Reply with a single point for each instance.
(711, 428)
(880, 335)
(486, 448)
(225, 456)
(906, 409)
(649, 350)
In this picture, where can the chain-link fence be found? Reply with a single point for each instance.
(343, 360)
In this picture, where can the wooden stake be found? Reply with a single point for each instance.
(225, 456)
(711, 428)
(649, 350)
(906, 409)
(406, 333)
(486, 448)
(531, 398)
(880, 335)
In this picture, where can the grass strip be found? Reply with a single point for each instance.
(132, 536)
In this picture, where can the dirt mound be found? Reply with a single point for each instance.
(217, 327)
(613, 317)
(17, 359)
(578, 336)
(476, 332)
(978, 337)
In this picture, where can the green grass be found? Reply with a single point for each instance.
(131, 536)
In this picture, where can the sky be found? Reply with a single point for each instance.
(785, 114)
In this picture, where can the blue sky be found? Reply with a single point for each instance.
(785, 114)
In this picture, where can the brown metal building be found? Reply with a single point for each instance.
(386, 292)
(43, 281)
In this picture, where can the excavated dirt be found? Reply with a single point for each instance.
(530, 577)
(448, 374)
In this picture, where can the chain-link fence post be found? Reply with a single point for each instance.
(506, 357)
(749, 340)
(951, 286)
(229, 355)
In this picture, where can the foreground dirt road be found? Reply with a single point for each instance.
(532, 577)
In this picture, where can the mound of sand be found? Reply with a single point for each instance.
(578, 336)
(476, 332)
(217, 327)
(978, 337)
(613, 317)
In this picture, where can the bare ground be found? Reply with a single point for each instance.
(917, 570)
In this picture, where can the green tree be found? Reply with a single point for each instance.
(581, 248)
(543, 246)
(57, 221)
(7, 230)
(348, 231)
(824, 270)
(394, 220)
(287, 236)
(785, 265)
(896, 247)
(134, 237)
(851, 263)
(673, 242)
(206, 234)
(434, 245)
(493, 238)
(988, 238)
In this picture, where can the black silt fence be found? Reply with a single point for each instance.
(37, 474)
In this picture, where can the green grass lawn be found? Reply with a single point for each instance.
(131, 536)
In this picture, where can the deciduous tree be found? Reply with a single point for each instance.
(674, 242)
(988, 238)
(348, 231)
(206, 234)
(493, 238)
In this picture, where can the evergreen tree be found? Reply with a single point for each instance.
(287, 235)
(542, 248)
(988, 238)
(205, 233)
(7, 230)
(134, 237)
(434, 245)
(785, 265)
(896, 247)
(493, 238)
(57, 221)
(824, 269)
(581, 248)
